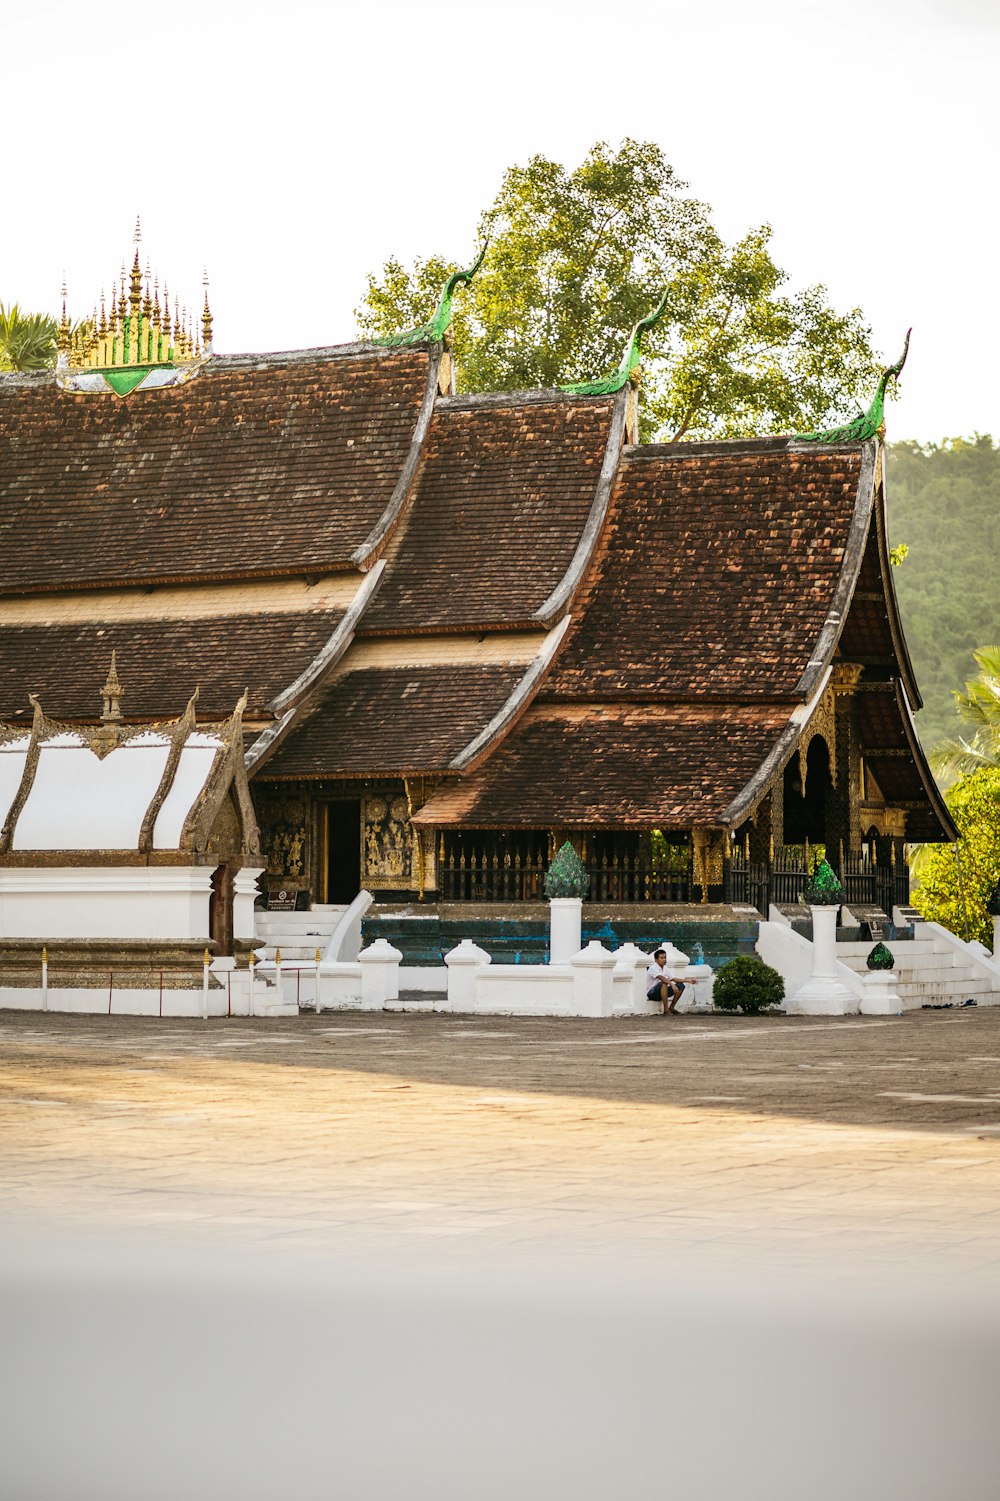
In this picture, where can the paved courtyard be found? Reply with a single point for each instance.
(395, 1255)
(861, 1141)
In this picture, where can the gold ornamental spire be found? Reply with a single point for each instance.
(132, 332)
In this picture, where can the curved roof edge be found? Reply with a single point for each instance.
(826, 642)
(387, 522)
(934, 794)
(550, 610)
(508, 715)
(290, 704)
(891, 602)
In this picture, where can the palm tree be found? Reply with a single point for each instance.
(979, 705)
(27, 340)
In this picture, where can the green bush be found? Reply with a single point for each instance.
(749, 985)
(566, 875)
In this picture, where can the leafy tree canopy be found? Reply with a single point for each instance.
(978, 706)
(975, 805)
(577, 256)
(945, 500)
(27, 340)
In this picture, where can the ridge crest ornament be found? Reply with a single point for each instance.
(130, 340)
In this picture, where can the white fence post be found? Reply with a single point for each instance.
(464, 961)
(379, 974)
(593, 980)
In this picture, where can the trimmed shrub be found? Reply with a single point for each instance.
(824, 890)
(880, 957)
(566, 875)
(749, 985)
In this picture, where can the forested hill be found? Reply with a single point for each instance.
(944, 502)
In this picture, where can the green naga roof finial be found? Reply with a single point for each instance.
(870, 424)
(436, 327)
(630, 358)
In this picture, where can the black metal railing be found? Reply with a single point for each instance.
(511, 868)
(487, 866)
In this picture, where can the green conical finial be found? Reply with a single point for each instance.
(824, 890)
(435, 328)
(872, 423)
(880, 958)
(566, 875)
(612, 383)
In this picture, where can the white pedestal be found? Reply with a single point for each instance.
(565, 927)
(880, 998)
(379, 974)
(465, 962)
(244, 896)
(593, 982)
(823, 994)
(629, 977)
(698, 979)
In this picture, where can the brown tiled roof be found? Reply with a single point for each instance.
(614, 766)
(720, 565)
(505, 490)
(377, 721)
(160, 663)
(276, 465)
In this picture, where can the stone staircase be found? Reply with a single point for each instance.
(931, 970)
(297, 934)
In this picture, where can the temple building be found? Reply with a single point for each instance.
(467, 627)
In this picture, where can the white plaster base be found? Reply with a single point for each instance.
(82, 999)
(824, 993)
(880, 996)
(151, 902)
(565, 928)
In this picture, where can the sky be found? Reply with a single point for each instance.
(293, 147)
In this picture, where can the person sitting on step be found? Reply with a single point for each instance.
(661, 985)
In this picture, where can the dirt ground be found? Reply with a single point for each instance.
(864, 1140)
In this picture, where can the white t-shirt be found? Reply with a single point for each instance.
(655, 973)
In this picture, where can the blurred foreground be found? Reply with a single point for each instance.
(427, 1257)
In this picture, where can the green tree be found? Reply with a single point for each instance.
(27, 340)
(979, 705)
(945, 500)
(577, 256)
(955, 887)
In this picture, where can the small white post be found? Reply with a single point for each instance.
(379, 974)
(464, 963)
(593, 980)
(45, 979)
(880, 996)
(252, 962)
(206, 961)
(277, 976)
(319, 1002)
(630, 976)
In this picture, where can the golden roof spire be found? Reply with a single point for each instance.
(133, 327)
(206, 317)
(64, 337)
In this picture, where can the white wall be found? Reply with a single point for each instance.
(114, 902)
